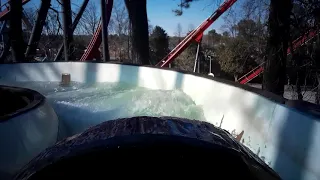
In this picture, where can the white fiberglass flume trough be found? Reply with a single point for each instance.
(285, 138)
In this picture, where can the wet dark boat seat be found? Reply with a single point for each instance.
(15, 101)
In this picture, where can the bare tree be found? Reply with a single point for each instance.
(31, 14)
(51, 35)
(37, 28)
(190, 27)
(178, 32)
(120, 18)
(53, 25)
(255, 9)
(15, 33)
(119, 25)
(230, 22)
(90, 19)
(150, 27)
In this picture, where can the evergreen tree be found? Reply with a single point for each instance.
(159, 44)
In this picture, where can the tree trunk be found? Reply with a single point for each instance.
(15, 32)
(67, 29)
(105, 18)
(300, 74)
(318, 89)
(129, 43)
(274, 77)
(298, 85)
(37, 29)
(74, 26)
(137, 10)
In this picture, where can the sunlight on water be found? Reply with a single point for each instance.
(80, 106)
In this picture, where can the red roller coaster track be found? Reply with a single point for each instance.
(195, 34)
(4, 13)
(93, 47)
(259, 69)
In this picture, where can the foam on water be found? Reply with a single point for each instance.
(80, 106)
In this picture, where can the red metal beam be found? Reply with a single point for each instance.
(93, 47)
(251, 76)
(195, 34)
(296, 44)
(302, 40)
(4, 13)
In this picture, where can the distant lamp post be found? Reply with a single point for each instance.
(210, 67)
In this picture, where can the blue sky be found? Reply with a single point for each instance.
(160, 13)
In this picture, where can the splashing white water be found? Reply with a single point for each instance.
(80, 106)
